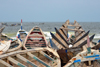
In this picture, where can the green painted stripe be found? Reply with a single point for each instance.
(48, 57)
(31, 64)
(40, 61)
(21, 65)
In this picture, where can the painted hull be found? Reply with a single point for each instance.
(35, 38)
(21, 35)
(85, 59)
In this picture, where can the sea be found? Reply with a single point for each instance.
(11, 28)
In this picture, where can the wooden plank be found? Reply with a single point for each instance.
(44, 54)
(74, 25)
(85, 42)
(81, 37)
(62, 37)
(52, 44)
(71, 29)
(57, 44)
(63, 33)
(16, 62)
(35, 35)
(66, 23)
(37, 59)
(25, 60)
(1, 30)
(96, 64)
(80, 42)
(5, 63)
(53, 36)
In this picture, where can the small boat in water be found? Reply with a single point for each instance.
(35, 38)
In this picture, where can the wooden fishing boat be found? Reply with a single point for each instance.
(38, 57)
(8, 44)
(68, 47)
(85, 59)
(35, 38)
(15, 46)
(61, 42)
(21, 34)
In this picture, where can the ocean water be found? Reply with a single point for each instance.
(94, 27)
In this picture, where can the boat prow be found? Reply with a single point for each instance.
(35, 38)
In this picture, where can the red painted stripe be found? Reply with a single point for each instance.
(21, 20)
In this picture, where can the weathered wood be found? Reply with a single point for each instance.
(57, 44)
(96, 64)
(52, 44)
(47, 56)
(81, 37)
(16, 62)
(53, 36)
(25, 60)
(74, 25)
(63, 33)
(1, 30)
(85, 42)
(61, 36)
(37, 59)
(66, 23)
(16, 48)
(5, 63)
(71, 29)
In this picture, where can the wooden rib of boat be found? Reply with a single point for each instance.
(81, 37)
(59, 41)
(53, 45)
(4, 46)
(38, 57)
(61, 36)
(5, 37)
(35, 38)
(15, 45)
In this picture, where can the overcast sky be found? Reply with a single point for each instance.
(49, 10)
